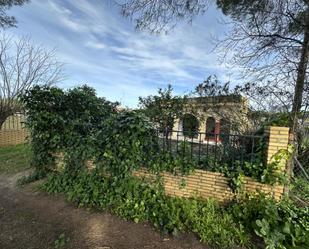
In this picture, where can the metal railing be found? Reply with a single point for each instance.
(304, 133)
(301, 162)
(211, 150)
(299, 189)
(299, 170)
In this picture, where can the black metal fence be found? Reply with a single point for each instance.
(210, 150)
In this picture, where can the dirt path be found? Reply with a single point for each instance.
(31, 219)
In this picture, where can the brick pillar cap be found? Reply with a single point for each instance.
(277, 128)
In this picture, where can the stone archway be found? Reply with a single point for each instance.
(190, 126)
(210, 128)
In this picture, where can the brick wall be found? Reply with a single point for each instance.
(13, 137)
(211, 184)
(207, 184)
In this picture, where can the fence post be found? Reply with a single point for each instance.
(278, 138)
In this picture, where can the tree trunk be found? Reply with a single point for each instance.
(2, 120)
(298, 96)
(300, 81)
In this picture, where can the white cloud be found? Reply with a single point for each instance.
(101, 47)
(95, 44)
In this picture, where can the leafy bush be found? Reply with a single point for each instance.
(163, 108)
(137, 200)
(63, 121)
(44, 108)
(84, 127)
(300, 187)
(127, 141)
(282, 225)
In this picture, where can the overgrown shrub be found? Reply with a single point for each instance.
(300, 187)
(84, 127)
(63, 121)
(282, 225)
(137, 200)
(127, 141)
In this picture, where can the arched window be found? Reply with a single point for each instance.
(190, 126)
(210, 127)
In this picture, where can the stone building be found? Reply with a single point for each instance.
(211, 118)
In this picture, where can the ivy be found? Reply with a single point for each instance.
(128, 141)
(83, 127)
(281, 225)
(66, 122)
(137, 200)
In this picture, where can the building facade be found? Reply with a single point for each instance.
(212, 118)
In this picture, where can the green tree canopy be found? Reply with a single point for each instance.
(163, 108)
(5, 5)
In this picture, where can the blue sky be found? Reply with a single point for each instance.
(102, 49)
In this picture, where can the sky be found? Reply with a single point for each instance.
(102, 49)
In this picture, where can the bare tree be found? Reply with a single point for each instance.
(269, 38)
(23, 65)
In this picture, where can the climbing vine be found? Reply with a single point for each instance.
(83, 127)
(64, 122)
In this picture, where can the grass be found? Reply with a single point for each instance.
(14, 159)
